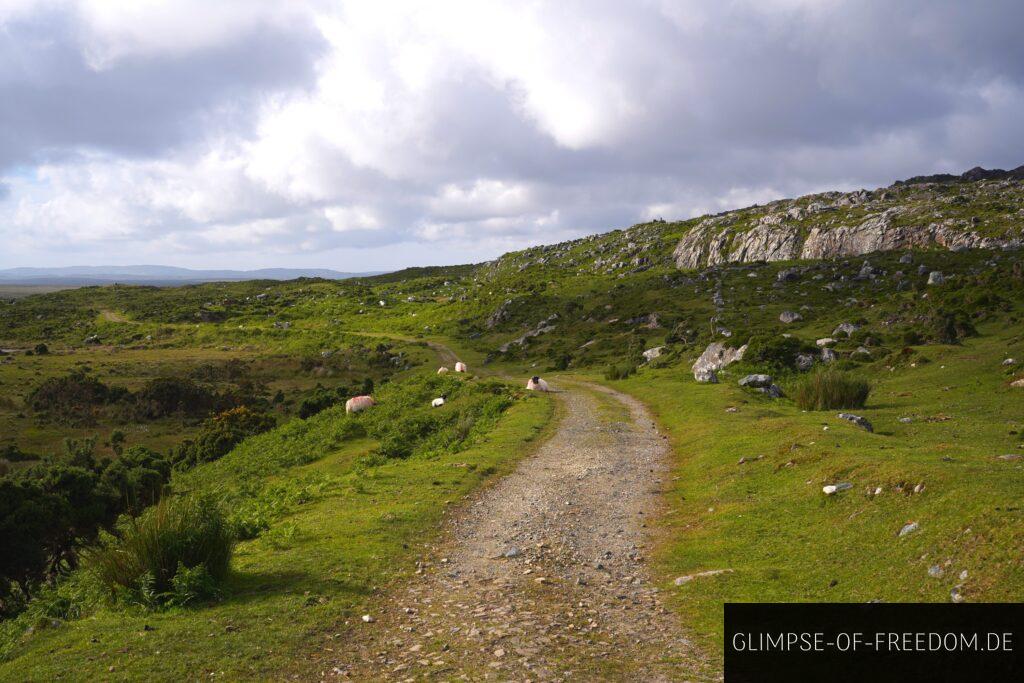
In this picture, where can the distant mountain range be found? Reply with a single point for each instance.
(157, 275)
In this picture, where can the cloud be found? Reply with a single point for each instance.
(332, 133)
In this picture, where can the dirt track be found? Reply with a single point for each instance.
(543, 577)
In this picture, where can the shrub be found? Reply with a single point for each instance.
(73, 399)
(220, 434)
(621, 371)
(950, 327)
(774, 352)
(830, 389)
(14, 454)
(165, 396)
(319, 400)
(151, 557)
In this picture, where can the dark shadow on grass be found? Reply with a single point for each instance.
(247, 587)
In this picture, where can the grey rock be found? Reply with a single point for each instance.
(825, 341)
(715, 357)
(909, 528)
(767, 242)
(790, 317)
(936, 571)
(756, 381)
(500, 315)
(651, 354)
(828, 355)
(788, 275)
(861, 422)
(804, 362)
(772, 391)
(713, 242)
(936, 278)
(844, 328)
(705, 376)
(907, 258)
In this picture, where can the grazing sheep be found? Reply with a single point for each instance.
(358, 404)
(461, 367)
(537, 384)
(441, 370)
(438, 402)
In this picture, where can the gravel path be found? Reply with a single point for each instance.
(542, 576)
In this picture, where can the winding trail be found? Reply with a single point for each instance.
(542, 576)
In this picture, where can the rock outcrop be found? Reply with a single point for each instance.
(773, 242)
(841, 225)
(702, 246)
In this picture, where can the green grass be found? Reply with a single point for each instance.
(341, 534)
(769, 521)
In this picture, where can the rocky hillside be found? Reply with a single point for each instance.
(978, 209)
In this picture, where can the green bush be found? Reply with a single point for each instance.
(144, 557)
(830, 389)
(163, 396)
(220, 434)
(950, 327)
(621, 371)
(774, 352)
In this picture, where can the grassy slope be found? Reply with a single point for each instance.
(786, 541)
(302, 583)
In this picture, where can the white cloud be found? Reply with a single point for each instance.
(471, 125)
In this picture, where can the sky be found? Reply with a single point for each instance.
(379, 134)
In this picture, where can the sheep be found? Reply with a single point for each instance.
(438, 402)
(357, 404)
(441, 370)
(537, 384)
(461, 367)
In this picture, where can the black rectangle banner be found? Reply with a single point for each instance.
(876, 642)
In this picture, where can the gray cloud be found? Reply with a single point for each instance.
(332, 136)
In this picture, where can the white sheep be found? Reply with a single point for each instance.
(358, 404)
(461, 367)
(537, 384)
(438, 402)
(441, 370)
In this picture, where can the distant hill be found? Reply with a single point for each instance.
(157, 275)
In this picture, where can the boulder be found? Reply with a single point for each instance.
(825, 341)
(651, 354)
(705, 376)
(788, 275)
(845, 329)
(857, 420)
(790, 317)
(772, 391)
(756, 381)
(936, 278)
(715, 357)
(828, 355)
(804, 362)
(907, 258)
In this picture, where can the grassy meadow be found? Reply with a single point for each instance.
(342, 528)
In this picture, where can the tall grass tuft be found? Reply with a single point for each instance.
(147, 554)
(830, 389)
